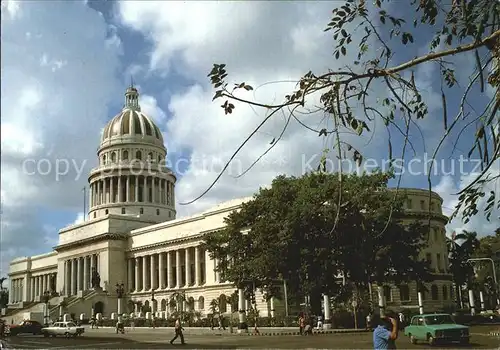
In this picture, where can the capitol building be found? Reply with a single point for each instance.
(132, 237)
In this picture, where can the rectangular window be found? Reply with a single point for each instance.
(438, 259)
(422, 204)
(409, 203)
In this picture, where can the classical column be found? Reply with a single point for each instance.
(153, 278)
(11, 291)
(216, 273)
(167, 192)
(153, 189)
(187, 263)
(145, 192)
(67, 278)
(32, 290)
(105, 190)
(178, 268)
(161, 270)
(127, 189)
(90, 197)
(169, 270)
(99, 194)
(79, 277)
(197, 277)
(144, 273)
(74, 273)
(120, 190)
(136, 199)
(136, 287)
(111, 190)
(44, 285)
(130, 276)
(86, 273)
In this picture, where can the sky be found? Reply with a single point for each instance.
(66, 65)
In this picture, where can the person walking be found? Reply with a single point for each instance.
(386, 333)
(302, 323)
(178, 332)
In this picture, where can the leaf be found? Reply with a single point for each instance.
(344, 51)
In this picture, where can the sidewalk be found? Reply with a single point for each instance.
(263, 331)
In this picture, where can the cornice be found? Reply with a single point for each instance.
(424, 215)
(171, 241)
(98, 238)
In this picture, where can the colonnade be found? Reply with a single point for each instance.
(171, 269)
(78, 273)
(131, 188)
(29, 287)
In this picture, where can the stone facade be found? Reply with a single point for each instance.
(131, 237)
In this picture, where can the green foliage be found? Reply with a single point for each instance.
(465, 27)
(462, 248)
(4, 293)
(310, 229)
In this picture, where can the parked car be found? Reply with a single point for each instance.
(67, 329)
(27, 326)
(436, 328)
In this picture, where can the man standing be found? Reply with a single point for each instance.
(178, 332)
(386, 333)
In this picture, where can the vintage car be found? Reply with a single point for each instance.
(436, 328)
(25, 327)
(67, 329)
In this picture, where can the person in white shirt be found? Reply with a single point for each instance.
(320, 322)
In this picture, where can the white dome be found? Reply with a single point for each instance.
(132, 124)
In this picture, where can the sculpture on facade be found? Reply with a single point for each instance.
(96, 279)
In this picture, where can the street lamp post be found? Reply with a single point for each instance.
(45, 299)
(120, 290)
(497, 289)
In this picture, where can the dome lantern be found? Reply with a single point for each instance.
(132, 98)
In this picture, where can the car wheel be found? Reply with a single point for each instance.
(67, 335)
(413, 340)
(45, 335)
(431, 340)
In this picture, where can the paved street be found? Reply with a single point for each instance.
(159, 339)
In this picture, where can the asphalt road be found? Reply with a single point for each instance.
(159, 339)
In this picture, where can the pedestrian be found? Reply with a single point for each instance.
(132, 323)
(401, 320)
(302, 323)
(221, 322)
(369, 321)
(178, 332)
(386, 333)
(2, 329)
(320, 322)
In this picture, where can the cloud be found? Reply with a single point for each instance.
(447, 188)
(57, 81)
(260, 42)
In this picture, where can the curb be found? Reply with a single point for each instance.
(337, 331)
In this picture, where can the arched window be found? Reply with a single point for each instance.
(125, 155)
(404, 293)
(434, 292)
(445, 292)
(113, 157)
(150, 156)
(201, 303)
(222, 303)
(104, 159)
(138, 155)
(163, 305)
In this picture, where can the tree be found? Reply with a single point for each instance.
(4, 293)
(461, 28)
(462, 247)
(295, 231)
(489, 247)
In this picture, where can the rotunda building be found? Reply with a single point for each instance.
(132, 177)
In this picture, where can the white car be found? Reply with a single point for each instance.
(67, 329)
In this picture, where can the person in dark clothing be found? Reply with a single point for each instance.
(178, 332)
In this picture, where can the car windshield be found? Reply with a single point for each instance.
(70, 324)
(439, 319)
